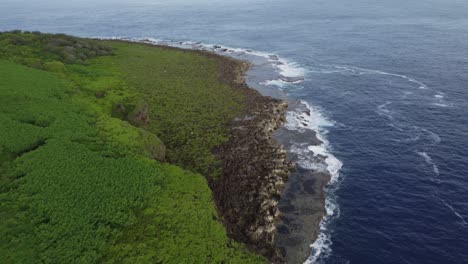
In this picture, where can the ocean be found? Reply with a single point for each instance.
(380, 102)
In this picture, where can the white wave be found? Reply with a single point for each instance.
(382, 110)
(279, 83)
(431, 135)
(321, 248)
(307, 159)
(358, 70)
(361, 71)
(313, 119)
(290, 69)
(333, 164)
(397, 127)
(463, 221)
(331, 207)
(318, 158)
(440, 100)
(441, 105)
(416, 133)
(429, 161)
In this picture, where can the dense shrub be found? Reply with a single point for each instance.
(78, 185)
(188, 106)
(54, 66)
(18, 45)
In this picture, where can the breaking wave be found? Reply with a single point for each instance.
(440, 100)
(457, 214)
(429, 161)
(317, 157)
(361, 71)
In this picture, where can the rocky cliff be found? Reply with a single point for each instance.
(254, 169)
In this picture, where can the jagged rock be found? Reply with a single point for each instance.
(140, 116)
(255, 167)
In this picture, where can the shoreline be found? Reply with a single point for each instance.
(309, 204)
(271, 123)
(256, 170)
(296, 245)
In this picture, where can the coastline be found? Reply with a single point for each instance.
(253, 196)
(261, 181)
(255, 168)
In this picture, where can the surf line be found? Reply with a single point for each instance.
(361, 71)
(428, 160)
(463, 221)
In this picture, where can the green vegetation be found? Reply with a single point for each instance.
(185, 98)
(85, 127)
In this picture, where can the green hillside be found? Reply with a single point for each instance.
(104, 152)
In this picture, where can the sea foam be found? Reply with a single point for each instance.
(452, 209)
(358, 70)
(429, 161)
(440, 101)
(317, 158)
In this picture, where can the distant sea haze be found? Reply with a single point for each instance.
(385, 86)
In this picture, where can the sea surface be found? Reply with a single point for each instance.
(385, 84)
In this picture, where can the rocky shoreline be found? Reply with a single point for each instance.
(254, 168)
(265, 200)
(255, 173)
(254, 165)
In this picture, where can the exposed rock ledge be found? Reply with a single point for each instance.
(254, 168)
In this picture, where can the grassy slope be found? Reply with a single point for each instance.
(80, 186)
(191, 108)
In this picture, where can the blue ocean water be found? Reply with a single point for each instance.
(390, 77)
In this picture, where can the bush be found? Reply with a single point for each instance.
(54, 66)
(50, 47)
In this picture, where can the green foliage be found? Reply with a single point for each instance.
(190, 108)
(135, 139)
(78, 185)
(54, 66)
(178, 232)
(32, 48)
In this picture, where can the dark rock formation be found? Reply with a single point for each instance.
(254, 170)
